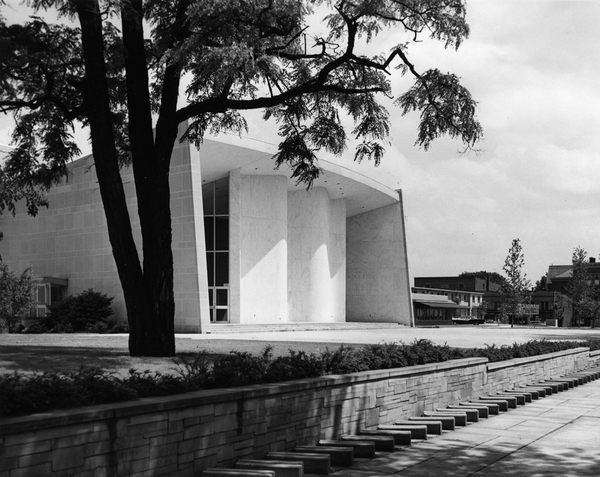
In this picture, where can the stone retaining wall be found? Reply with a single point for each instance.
(184, 434)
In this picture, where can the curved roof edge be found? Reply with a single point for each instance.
(255, 157)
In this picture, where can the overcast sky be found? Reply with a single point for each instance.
(533, 66)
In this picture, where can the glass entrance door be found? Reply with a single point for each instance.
(219, 304)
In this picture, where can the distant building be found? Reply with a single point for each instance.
(437, 306)
(557, 283)
(551, 306)
(540, 308)
(458, 283)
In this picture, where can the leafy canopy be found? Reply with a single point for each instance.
(16, 295)
(516, 288)
(234, 55)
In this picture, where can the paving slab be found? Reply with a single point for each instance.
(556, 436)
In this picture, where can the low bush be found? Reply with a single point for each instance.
(20, 394)
(240, 368)
(297, 365)
(88, 312)
(43, 392)
(84, 312)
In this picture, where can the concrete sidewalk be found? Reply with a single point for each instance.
(558, 435)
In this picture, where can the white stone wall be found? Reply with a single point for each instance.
(70, 239)
(316, 257)
(189, 247)
(378, 287)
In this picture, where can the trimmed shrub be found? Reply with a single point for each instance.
(43, 392)
(88, 311)
(297, 365)
(36, 328)
(240, 368)
(343, 360)
(21, 394)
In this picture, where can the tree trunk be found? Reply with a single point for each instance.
(149, 292)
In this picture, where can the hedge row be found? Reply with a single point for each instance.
(28, 394)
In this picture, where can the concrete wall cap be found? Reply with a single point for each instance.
(532, 359)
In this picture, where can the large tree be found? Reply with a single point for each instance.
(121, 72)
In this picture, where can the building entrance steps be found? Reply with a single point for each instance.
(484, 410)
(416, 431)
(338, 456)
(382, 443)
(580, 380)
(566, 383)
(314, 463)
(460, 419)
(362, 448)
(512, 400)
(280, 467)
(542, 391)
(556, 387)
(527, 394)
(448, 422)
(503, 404)
(433, 427)
(473, 414)
(591, 375)
(218, 472)
(401, 438)
(522, 398)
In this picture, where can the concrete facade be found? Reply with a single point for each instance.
(334, 253)
(377, 263)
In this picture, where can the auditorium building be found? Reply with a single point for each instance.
(250, 245)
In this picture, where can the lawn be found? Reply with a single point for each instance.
(68, 352)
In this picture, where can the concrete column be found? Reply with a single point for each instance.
(316, 257)
(235, 230)
(189, 246)
(263, 249)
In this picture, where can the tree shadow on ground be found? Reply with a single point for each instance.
(486, 459)
(65, 359)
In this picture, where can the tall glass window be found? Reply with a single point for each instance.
(215, 197)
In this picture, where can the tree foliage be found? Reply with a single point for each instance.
(491, 276)
(16, 296)
(132, 71)
(582, 289)
(516, 288)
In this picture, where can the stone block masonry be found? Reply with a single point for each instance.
(185, 434)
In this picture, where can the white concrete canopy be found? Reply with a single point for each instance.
(362, 193)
